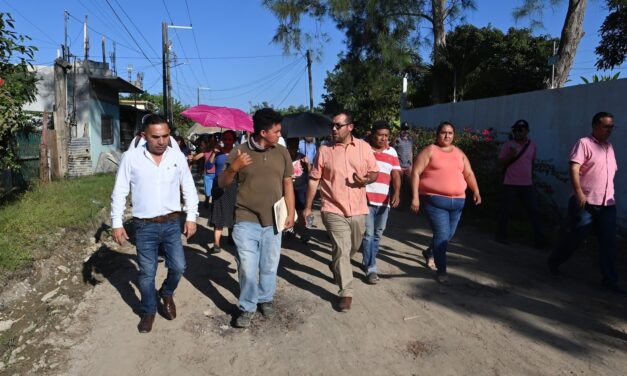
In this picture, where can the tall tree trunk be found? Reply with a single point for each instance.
(439, 42)
(572, 32)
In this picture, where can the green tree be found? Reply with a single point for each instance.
(17, 87)
(181, 123)
(485, 62)
(409, 13)
(367, 79)
(572, 31)
(612, 48)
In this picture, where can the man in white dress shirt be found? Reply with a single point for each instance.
(155, 174)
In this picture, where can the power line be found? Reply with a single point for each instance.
(105, 35)
(129, 33)
(34, 25)
(271, 75)
(202, 67)
(215, 57)
(263, 87)
(136, 28)
(292, 89)
(180, 42)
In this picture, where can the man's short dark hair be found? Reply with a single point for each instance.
(264, 119)
(405, 126)
(380, 124)
(349, 117)
(522, 123)
(596, 119)
(150, 119)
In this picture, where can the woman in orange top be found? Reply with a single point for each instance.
(439, 177)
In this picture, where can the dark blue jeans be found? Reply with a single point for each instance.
(525, 194)
(602, 221)
(148, 238)
(444, 214)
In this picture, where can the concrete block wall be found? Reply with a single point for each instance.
(79, 157)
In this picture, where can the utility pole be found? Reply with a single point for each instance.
(86, 40)
(553, 67)
(166, 70)
(311, 105)
(66, 49)
(404, 93)
(104, 55)
(199, 88)
(454, 85)
(167, 82)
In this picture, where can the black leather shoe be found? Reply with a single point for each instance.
(145, 324)
(169, 308)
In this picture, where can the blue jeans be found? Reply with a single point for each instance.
(208, 178)
(602, 221)
(375, 224)
(444, 214)
(149, 237)
(258, 253)
(526, 194)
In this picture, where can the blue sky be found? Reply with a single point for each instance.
(229, 50)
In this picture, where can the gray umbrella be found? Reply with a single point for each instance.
(305, 124)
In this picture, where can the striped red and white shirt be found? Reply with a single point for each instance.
(378, 192)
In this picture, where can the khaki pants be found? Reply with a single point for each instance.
(346, 235)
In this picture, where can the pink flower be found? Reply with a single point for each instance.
(485, 132)
(1, 82)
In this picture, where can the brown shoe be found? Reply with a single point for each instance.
(169, 309)
(145, 324)
(345, 303)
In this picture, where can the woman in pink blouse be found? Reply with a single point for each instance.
(440, 174)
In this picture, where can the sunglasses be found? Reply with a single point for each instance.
(609, 126)
(338, 125)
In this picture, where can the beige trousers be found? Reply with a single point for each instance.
(346, 235)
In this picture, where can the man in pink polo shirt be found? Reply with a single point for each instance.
(343, 168)
(592, 206)
(516, 159)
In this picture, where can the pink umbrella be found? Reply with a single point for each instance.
(222, 117)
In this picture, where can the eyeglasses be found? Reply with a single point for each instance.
(608, 126)
(338, 125)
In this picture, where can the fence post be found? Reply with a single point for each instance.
(44, 169)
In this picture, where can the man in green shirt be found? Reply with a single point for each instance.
(263, 171)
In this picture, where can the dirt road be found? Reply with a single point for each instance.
(501, 315)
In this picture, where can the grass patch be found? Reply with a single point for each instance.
(31, 222)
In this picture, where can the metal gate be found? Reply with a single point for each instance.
(28, 155)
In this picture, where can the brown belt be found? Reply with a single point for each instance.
(161, 218)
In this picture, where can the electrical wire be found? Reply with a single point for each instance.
(129, 33)
(292, 89)
(136, 28)
(32, 23)
(202, 67)
(263, 87)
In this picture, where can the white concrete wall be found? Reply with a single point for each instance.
(557, 118)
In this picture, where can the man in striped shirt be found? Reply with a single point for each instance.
(379, 196)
